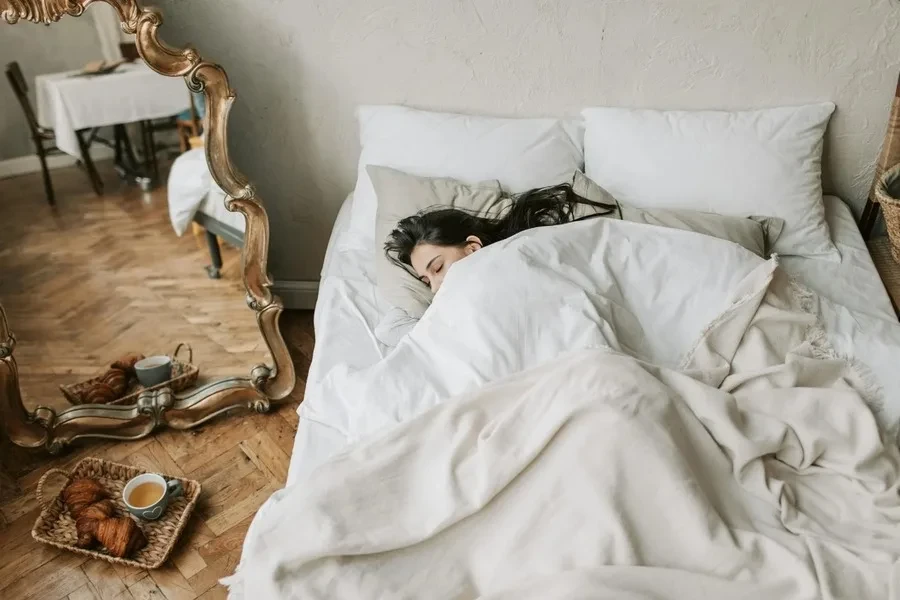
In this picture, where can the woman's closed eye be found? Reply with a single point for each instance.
(435, 265)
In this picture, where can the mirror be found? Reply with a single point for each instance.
(92, 272)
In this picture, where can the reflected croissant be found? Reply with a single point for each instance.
(113, 383)
(94, 521)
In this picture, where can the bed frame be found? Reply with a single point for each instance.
(214, 231)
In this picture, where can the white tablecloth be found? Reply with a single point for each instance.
(131, 93)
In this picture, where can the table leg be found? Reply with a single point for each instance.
(129, 149)
(96, 182)
(147, 141)
(126, 162)
(154, 163)
(117, 147)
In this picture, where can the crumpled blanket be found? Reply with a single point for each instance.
(756, 470)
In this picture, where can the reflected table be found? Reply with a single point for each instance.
(72, 101)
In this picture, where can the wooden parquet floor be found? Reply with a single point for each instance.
(103, 276)
(82, 284)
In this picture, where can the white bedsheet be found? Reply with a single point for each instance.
(191, 189)
(855, 306)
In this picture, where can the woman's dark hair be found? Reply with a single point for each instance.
(442, 226)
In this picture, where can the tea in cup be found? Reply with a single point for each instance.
(148, 495)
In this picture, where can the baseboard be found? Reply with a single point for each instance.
(300, 295)
(32, 164)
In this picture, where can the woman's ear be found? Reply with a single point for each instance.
(473, 244)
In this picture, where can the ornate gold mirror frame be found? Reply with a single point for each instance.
(47, 428)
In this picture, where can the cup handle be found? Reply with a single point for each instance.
(174, 488)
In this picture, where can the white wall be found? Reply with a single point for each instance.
(301, 68)
(39, 50)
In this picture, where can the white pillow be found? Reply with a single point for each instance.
(520, 153)
(757, 162)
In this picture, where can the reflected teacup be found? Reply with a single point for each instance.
(153, 370)
(148, 495)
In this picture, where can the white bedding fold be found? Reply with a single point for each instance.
(188, 185)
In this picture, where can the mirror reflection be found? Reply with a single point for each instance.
(117, 246)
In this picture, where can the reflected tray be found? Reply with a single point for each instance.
(184, 375)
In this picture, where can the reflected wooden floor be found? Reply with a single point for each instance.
(101, 276)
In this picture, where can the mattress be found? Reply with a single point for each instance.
(854, 304)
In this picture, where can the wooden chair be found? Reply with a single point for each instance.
(44, 138)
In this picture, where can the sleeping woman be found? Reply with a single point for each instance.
(429, 242)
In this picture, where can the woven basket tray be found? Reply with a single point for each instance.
(184, 375)
(887, 193)
(55, 526)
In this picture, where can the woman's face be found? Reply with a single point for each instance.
(431, 262)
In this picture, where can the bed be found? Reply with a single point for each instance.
(348, 310)
(577, 415)
(194, 196)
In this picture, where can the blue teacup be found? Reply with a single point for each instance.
(147, 496)
(153, 370)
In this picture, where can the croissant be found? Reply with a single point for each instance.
(126, 363)
(93, 512)
(120, 536)
(99, 393)
(87, 520)
(81, 493)
(113, 383)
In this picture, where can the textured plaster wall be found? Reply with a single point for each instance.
(300, 68)
(38, 50)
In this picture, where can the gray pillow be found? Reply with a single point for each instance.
(401, 195)
(756, 234)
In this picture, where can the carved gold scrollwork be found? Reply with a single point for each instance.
(40, 11)
(265, 384)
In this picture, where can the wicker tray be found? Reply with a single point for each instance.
(56, 527)
(184, 375)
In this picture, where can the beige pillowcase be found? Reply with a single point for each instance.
(401, 195)
(756, 234)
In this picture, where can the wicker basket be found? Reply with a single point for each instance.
(887, 193)
(184, 375)
(56, 527)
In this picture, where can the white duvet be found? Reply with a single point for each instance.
(558, 426)
(519, 303)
